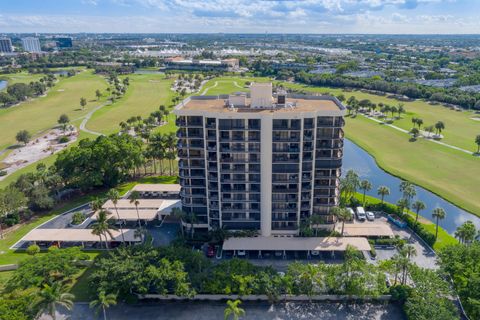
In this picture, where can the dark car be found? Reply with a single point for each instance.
(211, 251)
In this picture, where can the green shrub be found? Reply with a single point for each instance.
(63, 139)
(11, 219)
(373, 252)
(400, 292)
(77, 218)
(33, 250)
(3, 173)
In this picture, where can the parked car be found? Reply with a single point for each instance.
(352, 213)
(211, 252)
(361, 215)
(370, 216)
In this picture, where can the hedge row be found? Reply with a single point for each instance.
(419, 229)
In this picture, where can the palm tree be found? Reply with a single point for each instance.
(342, 214)
(466, 232)
(439, 126)
(417, 206)
(102, 226)
(114, 196)
(365, 185)
(414, 121)
(383, 191)
(419, 122)
(400, 109)
(407, 252)
(96, 204)
(414, 132)
(134, 196)
(103, 302)
(438, 214)
(51, 296)
(98, 94)
(233, 310)
(477, 141)
(83, 102)
(408, 190)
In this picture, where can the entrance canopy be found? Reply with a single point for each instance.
(295, 244)
(77, 235)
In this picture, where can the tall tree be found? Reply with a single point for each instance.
(417, 206)
(383, 191)
(365, 185)
(342, 215)
(83, 102)
(438, 214)
(114, 196)
(477, 141)
(102, 226)
(439, 126)
(23, 136)
(51, 296)
(103, 302)
(134, 198)
(98, 94)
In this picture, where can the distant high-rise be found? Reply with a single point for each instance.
(64, 42)
(6, 45)
(31, 44)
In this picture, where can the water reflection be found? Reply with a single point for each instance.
(359, 160)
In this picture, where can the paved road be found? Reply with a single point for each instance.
(87, 117)
(253, 311)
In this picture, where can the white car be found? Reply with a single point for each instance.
(361, 215)
(370, 216)
(352, 213)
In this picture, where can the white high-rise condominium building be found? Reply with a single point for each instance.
(6, 45)
(260, 161)
(31, 44)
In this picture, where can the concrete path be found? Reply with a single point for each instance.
(88, 116)
(206, 89)
(434, 141)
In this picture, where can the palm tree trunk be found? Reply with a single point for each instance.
(104, 313)
(343, 225)
(121, 229)
(138, 216)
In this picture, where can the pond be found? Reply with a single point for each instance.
(364, 164)
(3, 84)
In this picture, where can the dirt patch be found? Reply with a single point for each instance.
(37, 149)
(475, 118)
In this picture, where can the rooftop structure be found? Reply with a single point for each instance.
(260, 161)
(295, 244)
(76, 235)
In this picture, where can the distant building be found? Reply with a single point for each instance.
(6, 45)
(179, 63)
(31, 44)
(64, 42)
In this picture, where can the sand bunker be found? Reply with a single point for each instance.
(37, 149)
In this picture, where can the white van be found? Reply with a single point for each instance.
(361, 215)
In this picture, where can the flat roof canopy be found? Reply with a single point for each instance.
(77, 235)
(295, 244)
(131, 214)
(157, 187)
(367, 230)
(126, 204)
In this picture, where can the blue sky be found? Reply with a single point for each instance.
(257, 16)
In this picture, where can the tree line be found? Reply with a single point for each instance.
(19, 92)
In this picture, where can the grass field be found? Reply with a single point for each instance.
(451, 174)
(144, 95)
(460, 128)
(226, 85)
(21, 77)
(42, 113)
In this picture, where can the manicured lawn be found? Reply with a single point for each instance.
(144, 95)
(460, 128)
(42, 113)
(81, 288)
(451, 174)
(226, 85)
(21, 77)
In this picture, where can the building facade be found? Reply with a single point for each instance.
(259, 161)
(31, 44)
(6, 45)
